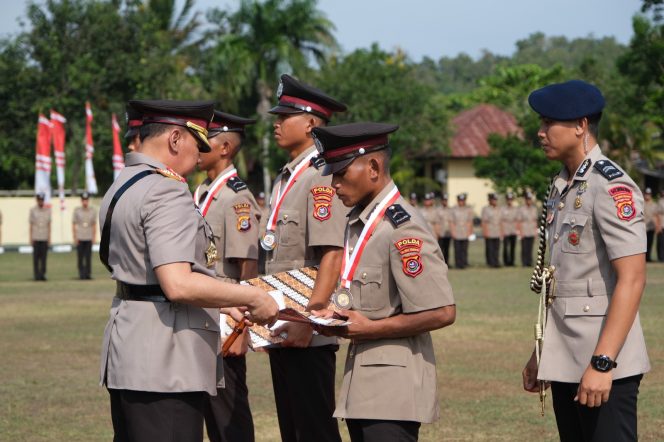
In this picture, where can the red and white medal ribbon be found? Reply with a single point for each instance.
(213, 190)
(350, 261)
(282, 192)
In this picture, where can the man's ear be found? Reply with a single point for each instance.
(374, 167)
(581, 126)
(174, 138)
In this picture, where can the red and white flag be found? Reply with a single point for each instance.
(90, 180)
(43, 159)
(118, 158)
(58, 135)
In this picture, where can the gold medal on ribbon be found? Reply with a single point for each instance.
(577, 202)
(342, 299)
(211, 254)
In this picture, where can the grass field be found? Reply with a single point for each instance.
(50, 336)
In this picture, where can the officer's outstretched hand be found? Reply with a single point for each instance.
(263, 310)
(295, 334)
(529, 375)
(594, 388)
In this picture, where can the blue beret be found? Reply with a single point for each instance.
(567, 101)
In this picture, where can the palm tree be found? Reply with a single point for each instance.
(261, 40)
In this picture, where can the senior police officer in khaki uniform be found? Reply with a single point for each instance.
(461, 225)
(40, 236)
(593, 353)
(305, 227)
(492, 230)
(84, 229)
(231, 210)
(508, 220)
(394, 282)
(444, 232)
(527, 228)
(159, 356)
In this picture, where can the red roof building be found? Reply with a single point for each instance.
(474, 126)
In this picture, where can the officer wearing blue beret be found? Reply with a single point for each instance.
(592, 352)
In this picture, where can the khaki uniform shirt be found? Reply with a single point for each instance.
(650, 212)
(461, 222)
(444, 220)
(491, 217)
(430, 215)
(528, 219)
(583, 240)
(311, 216)
(234, 218)
(157, 346)
(40, 223)
(508, 219)
(401, 271)
(85, 221)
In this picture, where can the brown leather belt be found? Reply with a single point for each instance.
(148, 293)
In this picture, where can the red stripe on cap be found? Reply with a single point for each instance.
(366, 144)
(135, 123)
(287, 99)
(156, 119)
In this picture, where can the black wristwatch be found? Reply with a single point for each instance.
(602, 363)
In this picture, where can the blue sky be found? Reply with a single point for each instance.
(438, 28)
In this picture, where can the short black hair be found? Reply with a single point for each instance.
(153, 130)
(593, 124)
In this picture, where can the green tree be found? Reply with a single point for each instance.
(516, 164)
(252, 46)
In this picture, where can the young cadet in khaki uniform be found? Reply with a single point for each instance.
(651, 219)
(492, 230)
(84, 228)
(394, 283)
(305, 228)
(527, 228)
(593, 353)
(461, 225)
(159, 356)
(508, 215)
(444, 233)
(430, 214)
(40, 237)
(231, 210)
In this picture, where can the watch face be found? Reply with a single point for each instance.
(602, 363)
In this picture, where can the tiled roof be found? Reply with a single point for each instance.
(473, 127)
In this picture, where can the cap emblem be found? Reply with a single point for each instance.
(280, 90)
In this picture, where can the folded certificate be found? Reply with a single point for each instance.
(291, 290)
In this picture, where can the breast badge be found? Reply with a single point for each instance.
(622, 196)
(411, 259)
(322, 202)
(573, 237)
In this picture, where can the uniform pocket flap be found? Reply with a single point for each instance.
(395, 353)
(575, 219)
(200, 319)
(289, 216)
(367, 274)
(590, 306)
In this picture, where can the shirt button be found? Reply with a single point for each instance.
(555, 237)
(573, 220)
(285, 216)
(561, 205)
(586, 308)
(351, 250)
(206, 324)
(364, 275)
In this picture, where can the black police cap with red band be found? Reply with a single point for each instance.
(296, 97)
(225, 122)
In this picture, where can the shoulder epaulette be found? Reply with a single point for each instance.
(608, 169)
(236, 184)
(585, 166)
(170, 173)
(397, 214)
(317, 162)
